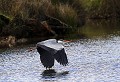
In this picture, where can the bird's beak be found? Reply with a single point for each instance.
(64, 41)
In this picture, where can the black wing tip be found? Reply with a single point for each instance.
(65, 64)
(61, 57)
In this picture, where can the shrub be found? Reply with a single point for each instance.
(67, 14)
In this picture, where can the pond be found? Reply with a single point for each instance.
(94, 56)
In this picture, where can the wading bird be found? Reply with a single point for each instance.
(50, 50)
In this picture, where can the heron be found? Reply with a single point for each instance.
(51, 50)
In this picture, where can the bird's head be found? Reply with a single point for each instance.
(61, 41)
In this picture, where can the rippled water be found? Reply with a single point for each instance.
(93, 57)
(90, 60)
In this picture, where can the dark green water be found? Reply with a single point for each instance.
(94, 56)
(97, 29)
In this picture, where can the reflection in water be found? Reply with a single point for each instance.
(100, 28)
(51, 73)
(96, 29)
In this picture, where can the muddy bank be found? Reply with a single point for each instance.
(12, 41)
(18, 30)
(32, 27)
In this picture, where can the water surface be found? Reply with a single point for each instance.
(94, 58)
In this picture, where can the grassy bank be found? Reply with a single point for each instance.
(39, 8)
(71, 12)
(35, 18)
(102, 8)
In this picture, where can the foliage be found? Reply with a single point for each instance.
(102, 8)
(69, 11)
(40, 8)
(67, 14)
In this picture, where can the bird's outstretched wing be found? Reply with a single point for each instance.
(47, 59)
(61, 57)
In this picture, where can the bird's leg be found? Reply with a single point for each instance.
(49, 68)
(46, 68)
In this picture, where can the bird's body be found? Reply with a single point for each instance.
(50, 50)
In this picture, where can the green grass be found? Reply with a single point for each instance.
(68, 11)
(67, 14)
(32, 9)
